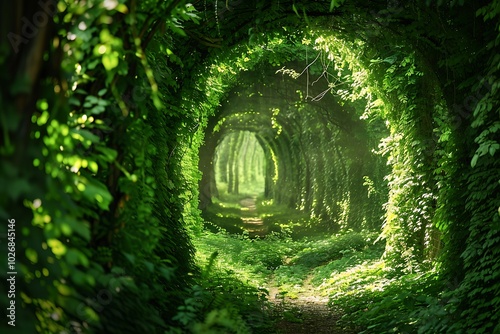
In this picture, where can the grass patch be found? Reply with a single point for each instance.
(372, 302)
(347, 267)
(224, 214)
(288, 261)
(281, 219)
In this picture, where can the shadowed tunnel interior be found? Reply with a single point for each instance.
(319, 155)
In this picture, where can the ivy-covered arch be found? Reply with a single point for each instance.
(361, 82)
(409, 80)
(282, 117)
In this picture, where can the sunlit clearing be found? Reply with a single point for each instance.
(240, 164)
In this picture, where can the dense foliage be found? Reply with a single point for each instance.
(370, 116)
(290, 128)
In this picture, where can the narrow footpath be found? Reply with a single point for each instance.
(251, 220)
(306, 312)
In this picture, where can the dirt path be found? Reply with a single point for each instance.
(308, 313)
(251, 221)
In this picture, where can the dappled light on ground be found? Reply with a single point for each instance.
(300, 274)
(252, 223)
(306, 314)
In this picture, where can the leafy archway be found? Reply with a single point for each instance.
(412, 90)
(303, 122)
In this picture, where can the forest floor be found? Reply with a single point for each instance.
(305, 311)
(267, 258)
(251, 220)
(287, 273)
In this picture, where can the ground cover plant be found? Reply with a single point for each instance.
(289, 266)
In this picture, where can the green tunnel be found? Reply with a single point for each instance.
(123, 121)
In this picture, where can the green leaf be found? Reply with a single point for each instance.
(474, 160)
(149, 266)
(80, 134)
(74, 101)
(109, 154)
(110, 60)
(93, 64)
(97, 192)
(130, 257)
(72, 256)
(168, 273)
(97, 110)
(80, 227)
(493, 149)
